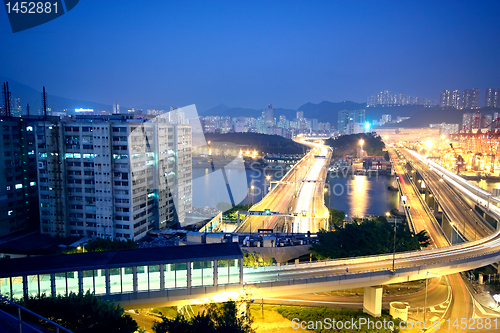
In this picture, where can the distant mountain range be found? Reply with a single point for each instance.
(325, 111)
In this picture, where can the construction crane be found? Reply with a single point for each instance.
(459, 159)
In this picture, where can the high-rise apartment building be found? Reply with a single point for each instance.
(386, 118)
(444, 100)
(116, 108)
(300, 114)
(343, 121)
(456, 99)
(113, 176)
(471, 122)
(451, 98)
(471, 98)
(357, 116)
(269, 116)
(18, 176)
(492, 98)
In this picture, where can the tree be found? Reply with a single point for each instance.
(336, 218)
(105, 244)
(81, 313)
(348, 144)
(423, 238)
(256, 259)
(368, 238)
(228, 317)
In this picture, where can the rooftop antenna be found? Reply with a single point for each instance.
(28, 109)
(44, 99)
(6, 98)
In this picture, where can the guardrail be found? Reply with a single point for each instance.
(427, 210)
(408, 270)
(407, 214)
(23, 324)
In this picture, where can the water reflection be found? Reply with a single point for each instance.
(358, 197)
(362, 195)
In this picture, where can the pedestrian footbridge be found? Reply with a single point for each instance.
(193, 274)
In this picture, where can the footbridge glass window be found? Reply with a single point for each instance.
(181, 275)
(127, 279)
(115, 282)
(154, 277)
(60, 279)
(142, 278)
(208, 273)
(33, 285)
(88, 280)
(44, 280)
(202, 273)
(17, 286)
(169, 273)
(100, 281)
(72, 278)
(234, 271)
(223, 272)
(5, 286)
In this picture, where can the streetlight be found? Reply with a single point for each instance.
(81, 248)
(268, 178)
(426, 284)
(394, 247)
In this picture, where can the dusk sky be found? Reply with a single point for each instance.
(251, 53)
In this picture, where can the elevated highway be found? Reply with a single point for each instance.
(458, 213)
(279, 281)
(301, 190)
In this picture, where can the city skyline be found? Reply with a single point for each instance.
(245, 54)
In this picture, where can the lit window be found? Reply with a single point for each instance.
(29, 128)
(11, 212)
(8, 188)
(18, 186)
(32, 183)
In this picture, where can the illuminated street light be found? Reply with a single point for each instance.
(426, 284)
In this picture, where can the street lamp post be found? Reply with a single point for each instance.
(394, 247)
(426, 285)
(252, 187)
(268, 178)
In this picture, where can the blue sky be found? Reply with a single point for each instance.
(251, 53)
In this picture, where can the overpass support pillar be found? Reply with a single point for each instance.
(372, 301)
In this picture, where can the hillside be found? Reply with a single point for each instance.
(348, 144)
(328, 111)
(269, 144)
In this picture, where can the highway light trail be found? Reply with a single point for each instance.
(308, 190)
(459, 183)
